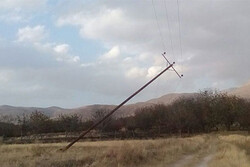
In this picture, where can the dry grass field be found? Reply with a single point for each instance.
(198, 151)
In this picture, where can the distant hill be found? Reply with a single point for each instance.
(127, 110)
(243, 91)
(169, 98)
(130, 109)
(86, 111)
(11, 110)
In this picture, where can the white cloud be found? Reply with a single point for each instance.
(37, 34)
(62, 54)
(61, 48)
(108, 20)
(112, 53)
(128, 60)
(31, 34)
(21, 4)
(153, 71)
(12, 17)
(111, 25)
(135, 72)
(20, 11)
(67, 58)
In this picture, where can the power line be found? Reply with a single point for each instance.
(158, 25)
(169, 30)
(179, 22)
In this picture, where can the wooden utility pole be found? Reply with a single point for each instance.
(120, 105)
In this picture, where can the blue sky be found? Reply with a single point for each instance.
(75, 53)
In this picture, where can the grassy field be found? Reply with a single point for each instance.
(203, 150)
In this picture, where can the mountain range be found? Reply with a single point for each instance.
(126, 110)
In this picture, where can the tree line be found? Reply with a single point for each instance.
(204, 112)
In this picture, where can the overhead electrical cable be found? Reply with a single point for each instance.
(158, 25)
(179, 23)
(169, 33)
(169, 29)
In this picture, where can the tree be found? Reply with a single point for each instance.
(23, 122)
(100, 114)
(144, 118)
(69, 123)
(244, 114)
(8, 129)
(39, 122)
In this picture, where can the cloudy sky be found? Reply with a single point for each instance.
(74, 53)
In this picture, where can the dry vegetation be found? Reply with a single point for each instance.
(232, 151)
(105, 153)
(198, 151)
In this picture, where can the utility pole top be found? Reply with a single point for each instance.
(180, 76)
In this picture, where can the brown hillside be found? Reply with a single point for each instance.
(243, 91)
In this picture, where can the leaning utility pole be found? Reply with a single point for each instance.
(170, 65)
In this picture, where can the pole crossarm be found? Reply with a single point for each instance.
(119, 106)
(180, 76)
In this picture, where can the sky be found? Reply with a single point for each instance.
(71, 53)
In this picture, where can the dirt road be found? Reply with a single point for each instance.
(200, 158)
